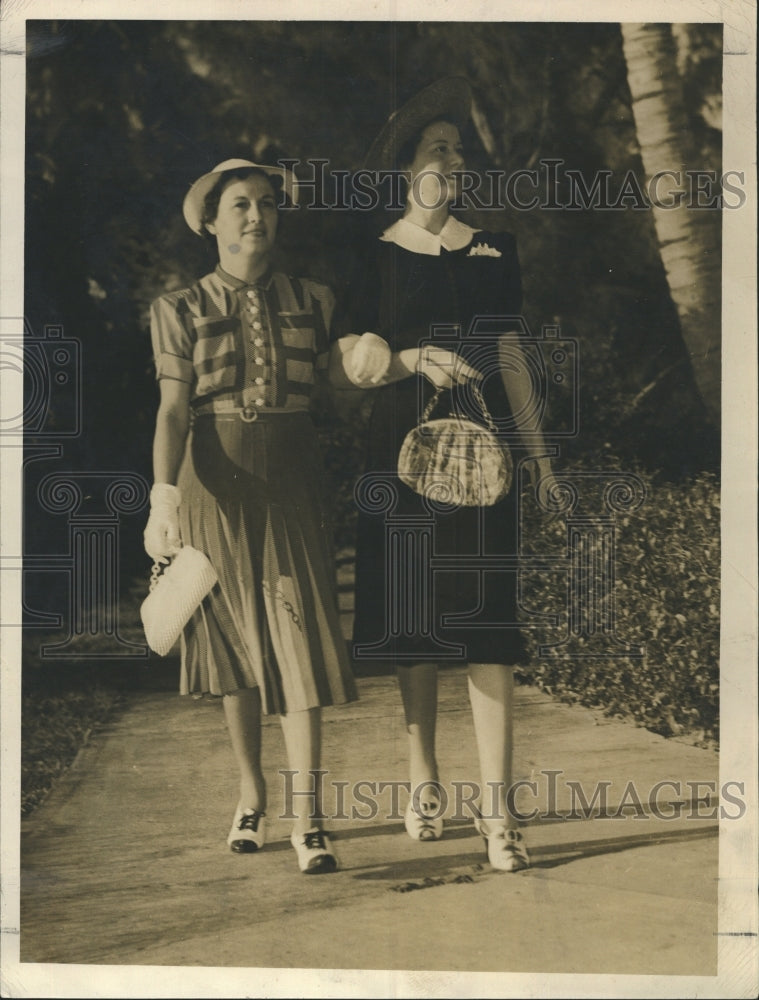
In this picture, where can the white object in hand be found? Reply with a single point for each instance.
(174, 596)
(369, 360)
(161, 536)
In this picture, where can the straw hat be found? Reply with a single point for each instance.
(195, 197)
(449, 98)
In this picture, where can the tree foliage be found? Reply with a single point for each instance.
(122, 116)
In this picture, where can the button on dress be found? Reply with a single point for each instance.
(253, 492)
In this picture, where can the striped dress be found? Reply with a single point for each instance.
(253, 494)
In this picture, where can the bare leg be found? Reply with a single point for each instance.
(418, 686)
(243, 713)
(302, 732)
(491, 692)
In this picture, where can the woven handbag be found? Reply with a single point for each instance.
(174, 594)
(456, 460)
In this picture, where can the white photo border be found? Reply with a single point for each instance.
(738, 844)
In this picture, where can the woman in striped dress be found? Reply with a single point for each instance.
(238, 475)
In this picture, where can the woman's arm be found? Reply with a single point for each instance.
(171, 429)
(365, 361)
(441, 367)
(373, 369)
(162, 538)
(520, 391)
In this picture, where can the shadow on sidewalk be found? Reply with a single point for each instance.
(470, 866)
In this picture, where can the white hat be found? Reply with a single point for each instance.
(195, 197)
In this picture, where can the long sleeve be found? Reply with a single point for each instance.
(358, 309)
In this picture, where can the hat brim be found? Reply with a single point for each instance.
(449, 98)
(195, 197)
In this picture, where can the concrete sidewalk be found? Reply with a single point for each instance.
(126, 863)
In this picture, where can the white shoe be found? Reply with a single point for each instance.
(315, 853)
(426, 824)
(248, 831)
(506, 848)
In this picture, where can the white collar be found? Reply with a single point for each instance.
(454, 235)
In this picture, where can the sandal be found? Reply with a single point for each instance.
(424, 825)
(506, 848)
(248, 831)
(315, 853)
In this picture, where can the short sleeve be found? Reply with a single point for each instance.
(172, 343)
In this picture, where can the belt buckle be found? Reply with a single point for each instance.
(248, 415)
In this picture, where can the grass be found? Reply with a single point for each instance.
(53, 730)
(65, 703)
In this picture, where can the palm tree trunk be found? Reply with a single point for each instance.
(689, 237)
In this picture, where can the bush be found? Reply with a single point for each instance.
(666, 597)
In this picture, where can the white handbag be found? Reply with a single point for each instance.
(176, 591)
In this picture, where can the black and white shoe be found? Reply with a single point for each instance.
(248, 831)
(315, 853)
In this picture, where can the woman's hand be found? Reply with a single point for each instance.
(444, 368)
(368, 360)
(161, 537)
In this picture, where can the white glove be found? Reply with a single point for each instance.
(369, 360)
(161, 535)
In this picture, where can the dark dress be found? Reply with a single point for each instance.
(435, 583)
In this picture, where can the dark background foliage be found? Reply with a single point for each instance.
(123, 116)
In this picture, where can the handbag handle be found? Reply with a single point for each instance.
(479, 399)
(155, 575)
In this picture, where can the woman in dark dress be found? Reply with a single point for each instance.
(238, 475)
(426, 272)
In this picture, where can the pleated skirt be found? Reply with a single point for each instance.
(253, 500)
